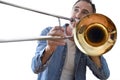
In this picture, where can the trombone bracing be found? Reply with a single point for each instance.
(94, 35)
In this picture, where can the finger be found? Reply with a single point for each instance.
(58, 28)
(56, 42)
(56, 33)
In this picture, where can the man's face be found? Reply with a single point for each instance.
(80, 10)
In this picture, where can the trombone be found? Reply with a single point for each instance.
(94, 35)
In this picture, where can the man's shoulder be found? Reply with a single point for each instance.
(45, 30)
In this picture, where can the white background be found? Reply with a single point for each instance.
(15, 58)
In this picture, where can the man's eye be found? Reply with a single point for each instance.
(85, 12)
(76, 10)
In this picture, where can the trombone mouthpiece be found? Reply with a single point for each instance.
(75, 20)
(72, 20)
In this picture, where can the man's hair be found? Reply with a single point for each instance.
(89, 1)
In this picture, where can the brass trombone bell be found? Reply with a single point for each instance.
(95, 34)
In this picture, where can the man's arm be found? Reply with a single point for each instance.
(47, 54)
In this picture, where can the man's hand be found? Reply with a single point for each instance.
(52, 44)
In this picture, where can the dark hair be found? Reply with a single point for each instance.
(89, 1)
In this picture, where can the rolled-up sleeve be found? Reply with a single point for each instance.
(102, 73)
(37, 65)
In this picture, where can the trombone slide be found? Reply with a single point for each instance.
(34, 38)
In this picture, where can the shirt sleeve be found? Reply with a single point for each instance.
(37, 65)
(102, 73)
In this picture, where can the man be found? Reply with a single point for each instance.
(61, 59)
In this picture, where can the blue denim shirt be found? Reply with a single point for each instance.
(53, 68)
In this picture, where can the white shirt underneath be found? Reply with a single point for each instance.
(68, 68)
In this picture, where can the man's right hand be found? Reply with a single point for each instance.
(56, 31)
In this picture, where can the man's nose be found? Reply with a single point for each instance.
(78, 15)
